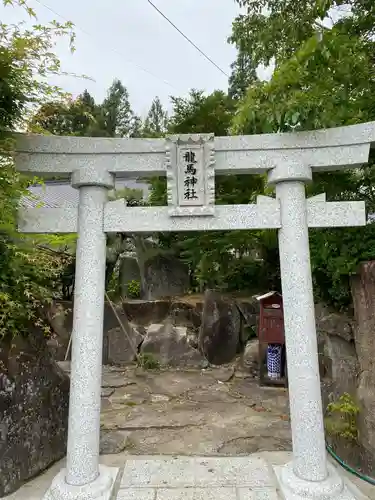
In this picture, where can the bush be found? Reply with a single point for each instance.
(147, 361)
(341, 419)
(28, 279)
(134, 289)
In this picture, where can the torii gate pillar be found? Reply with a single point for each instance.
(308, 475)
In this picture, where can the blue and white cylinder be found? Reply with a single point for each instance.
(274, 361)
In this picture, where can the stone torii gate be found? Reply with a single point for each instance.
(190, 163)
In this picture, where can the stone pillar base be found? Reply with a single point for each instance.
(332, 488)
(100, 489)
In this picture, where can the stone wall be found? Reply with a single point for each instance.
(347, 364)
(363, 293)
(34, 398)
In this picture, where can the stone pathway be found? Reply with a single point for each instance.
(209, 478)
(218, 432)
(185, 478)
(195, 412)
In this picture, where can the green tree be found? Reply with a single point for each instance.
(220, 258)
(156, 122)
(88, 101)
(199, 113)
(116, 118)
(324, 77)
(27, 275)
(243, 75)
(64, 117)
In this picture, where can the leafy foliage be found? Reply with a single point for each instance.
(116, 118)
(64, 117)
(134, 289)
(341, 419)
(243, 75)
(324, 77)
(28, 277)
(147, 361)
(156, 123)
(220, 259)
(27, 274)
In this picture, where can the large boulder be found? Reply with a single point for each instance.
(123, 347)
(146, 312)
(60, 318)
(170, 345)
(164, 276)
(220, 332)
(34, 398)
(249, 309)
(333, 323)
(337, 354)
(338, 367)
(183, 313)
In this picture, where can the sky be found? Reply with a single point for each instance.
(129, 40)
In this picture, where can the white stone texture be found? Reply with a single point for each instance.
(336, 214)
(266, 466)
(86, 365)
(148, 219)
(224, 478)
(101, 488)
(88, 176)
(200, 472)
(332, 488)
(309, 453)
(330, 149)
(202, 146)
(264, 215)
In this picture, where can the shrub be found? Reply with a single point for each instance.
(341, 420)
(134, 289)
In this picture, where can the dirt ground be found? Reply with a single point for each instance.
(192, 412)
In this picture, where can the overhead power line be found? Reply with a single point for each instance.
(187, 38)
(112, 49)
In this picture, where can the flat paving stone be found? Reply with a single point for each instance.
(136, 494)
(232, 471)
(197, 494)
(197, 478)
(159, 473)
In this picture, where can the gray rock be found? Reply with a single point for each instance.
(61, 320)
(164, 276)
(338, 366)
(122, 349)
(107, 392)
(170, 346)
(333, 323)
(220, 332)
(251, 354)
(34, 400)
(183, 313)
(250, 310)
(146, 312)
(113, 442)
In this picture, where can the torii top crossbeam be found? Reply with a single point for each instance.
(292, 156)
(329, 149)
